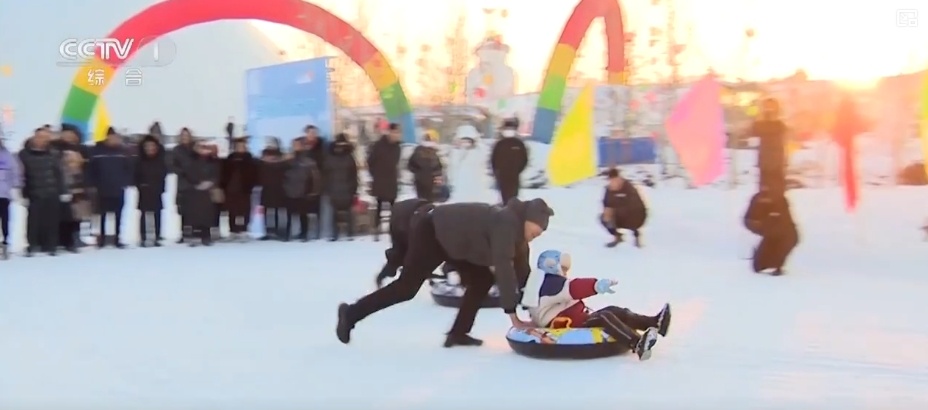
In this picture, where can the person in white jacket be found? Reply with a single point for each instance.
(468, 169)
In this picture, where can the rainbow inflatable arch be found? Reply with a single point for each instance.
(172, 15)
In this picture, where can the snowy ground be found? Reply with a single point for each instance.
(251, 326)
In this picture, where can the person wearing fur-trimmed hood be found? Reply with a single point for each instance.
(467, 171)
(426, 167)
(508, 160)
(341, 183)
(151, 171)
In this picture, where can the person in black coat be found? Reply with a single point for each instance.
(315, 147)
(383, 161)
(341, 186)
(622, 209)
(199, 205)
(302, 185)
(771, 131)
(482, 241)
(508, 160)
(271, 169)
(426, 168)
(70, 140)
(769, 217)
(239, 177)
(401, 219)
(44, 190)
(110, 174)
(151, 171)
(181, 155)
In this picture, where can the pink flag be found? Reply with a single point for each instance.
(696, 130)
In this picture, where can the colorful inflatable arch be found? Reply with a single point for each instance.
(565, 52)
(172, 15)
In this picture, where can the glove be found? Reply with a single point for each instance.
(64, 198)
(202, 186)
(603, 286)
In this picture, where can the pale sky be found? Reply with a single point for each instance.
(854, 41)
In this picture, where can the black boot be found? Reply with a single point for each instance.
(663, 320)
(617, 239)
(645, 344)
(345, 324)
(461, 340)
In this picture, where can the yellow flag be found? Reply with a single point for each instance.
(573, 153)
(923, 120)
(102, 123)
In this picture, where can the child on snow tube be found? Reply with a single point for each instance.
(554, 301)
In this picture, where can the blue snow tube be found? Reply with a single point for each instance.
(565, 343)
(448, 294)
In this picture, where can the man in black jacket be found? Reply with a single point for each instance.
(508, 159)
(401, 220)
(622, 209)
(181, 157)
(383, 161)
(482, 241)
(44, 190)
(110, 174)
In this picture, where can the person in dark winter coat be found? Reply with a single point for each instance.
(771, 131)
(79, 208)
(239, 177)
(271, 170)
(383, 162)
(302, 185)
(482, 241)
(151, 171)
(182, 155)
(199, 205)
(508, 160)
(769, 217)
(401, 219)
(341, 186)
(316, 148)
(43, 192)
(70, 140)
(110, 173)
(426, 168)
(622, 209)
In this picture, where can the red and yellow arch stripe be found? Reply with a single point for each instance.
(565, 52)
(173, 15)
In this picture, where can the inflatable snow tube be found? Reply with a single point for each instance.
(567, 343)
(448, 292)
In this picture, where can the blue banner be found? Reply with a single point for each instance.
(283, 99)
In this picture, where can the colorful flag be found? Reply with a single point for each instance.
(847, 126)
(696, 130)
(573, 149)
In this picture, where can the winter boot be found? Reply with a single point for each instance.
(461, 340)
(777, 272)
(345, 324)
(663, 320)
(645, 344)
(617, 239)
(4, 254)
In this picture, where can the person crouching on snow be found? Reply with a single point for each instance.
(769, 217)
(554, 301)
(622, 209)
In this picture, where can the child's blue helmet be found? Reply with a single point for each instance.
(550, 262)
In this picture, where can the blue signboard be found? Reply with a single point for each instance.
(283, 99)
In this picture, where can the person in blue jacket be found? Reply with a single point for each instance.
(110, 173)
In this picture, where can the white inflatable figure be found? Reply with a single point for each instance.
(492, 79)
(468, 168)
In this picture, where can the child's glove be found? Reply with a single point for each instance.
(603, 286)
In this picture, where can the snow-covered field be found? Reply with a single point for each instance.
(251, 326)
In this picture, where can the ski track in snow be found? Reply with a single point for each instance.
(251, 325)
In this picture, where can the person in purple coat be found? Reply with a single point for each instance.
(10, 178)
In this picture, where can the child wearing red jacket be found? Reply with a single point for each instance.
(558, 303)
